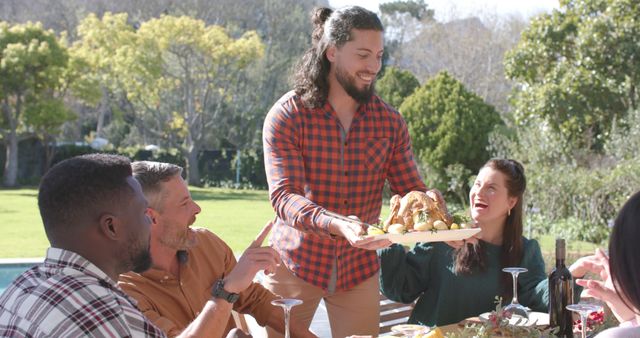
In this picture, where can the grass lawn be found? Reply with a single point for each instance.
(21, 230)
(234, 215)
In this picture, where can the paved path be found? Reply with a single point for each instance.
(320, 324)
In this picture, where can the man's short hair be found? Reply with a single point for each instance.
(151, 175)
(82, 188)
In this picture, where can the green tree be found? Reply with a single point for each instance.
(415, 8)
(32, 66)
(402, 20)
(458, 182)
(578, 68)
(98, 57)
(396, 85)
(180, 75)
(201, 68)
(449, 125)
(45, 117)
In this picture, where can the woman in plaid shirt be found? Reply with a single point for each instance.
(330, 144)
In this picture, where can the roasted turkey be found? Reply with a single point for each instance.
(429, 205)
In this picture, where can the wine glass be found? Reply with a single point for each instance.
(515, 308)
(584, 309)
(286, 304)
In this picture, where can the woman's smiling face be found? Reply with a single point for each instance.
(489, 198)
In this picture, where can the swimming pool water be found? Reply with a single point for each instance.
(8, 272)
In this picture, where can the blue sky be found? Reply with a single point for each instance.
(463, 8)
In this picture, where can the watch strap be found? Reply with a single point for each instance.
(218, 291)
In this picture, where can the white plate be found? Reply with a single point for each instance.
(535, 318)
(407, 329)
(428, 236)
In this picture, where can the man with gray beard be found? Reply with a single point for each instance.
(195, 281)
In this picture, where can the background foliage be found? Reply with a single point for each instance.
(32, 69)
(396, 85)
(578, 68)
(557, 92)
(448, 125)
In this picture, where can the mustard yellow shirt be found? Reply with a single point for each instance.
(172, 303)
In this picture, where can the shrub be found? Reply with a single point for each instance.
(449, 125)
(218, 167)
(577, 193)
(396, 85)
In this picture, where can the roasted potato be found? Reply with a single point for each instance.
(423, 226)
(440, 225)
(374, 231)
(397, 228)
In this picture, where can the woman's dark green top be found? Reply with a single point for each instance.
(427, 273)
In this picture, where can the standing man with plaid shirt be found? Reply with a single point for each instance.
(330, 144)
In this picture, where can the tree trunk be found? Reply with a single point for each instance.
(238, 169)
(632, 96)
(10, 178)
(104, 110)
(49, 144)
(193, 172)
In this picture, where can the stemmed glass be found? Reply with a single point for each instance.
(515, 308)
(584, 309)
(286, 304)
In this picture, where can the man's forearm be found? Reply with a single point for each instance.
(212, 321)
(299, 212)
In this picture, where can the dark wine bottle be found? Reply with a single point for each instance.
(560, 294)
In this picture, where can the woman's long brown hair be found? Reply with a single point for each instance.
(624, 252)
(472, 258)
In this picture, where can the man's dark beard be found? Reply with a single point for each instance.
(348, 83)
(142, 260)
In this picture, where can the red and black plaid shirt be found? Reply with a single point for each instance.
(311, 167)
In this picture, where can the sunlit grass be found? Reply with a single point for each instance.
(21, 231)
(234, 215)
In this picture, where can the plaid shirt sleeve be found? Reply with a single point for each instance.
(285, 172)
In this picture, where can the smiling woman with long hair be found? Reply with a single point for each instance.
(454, 283)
